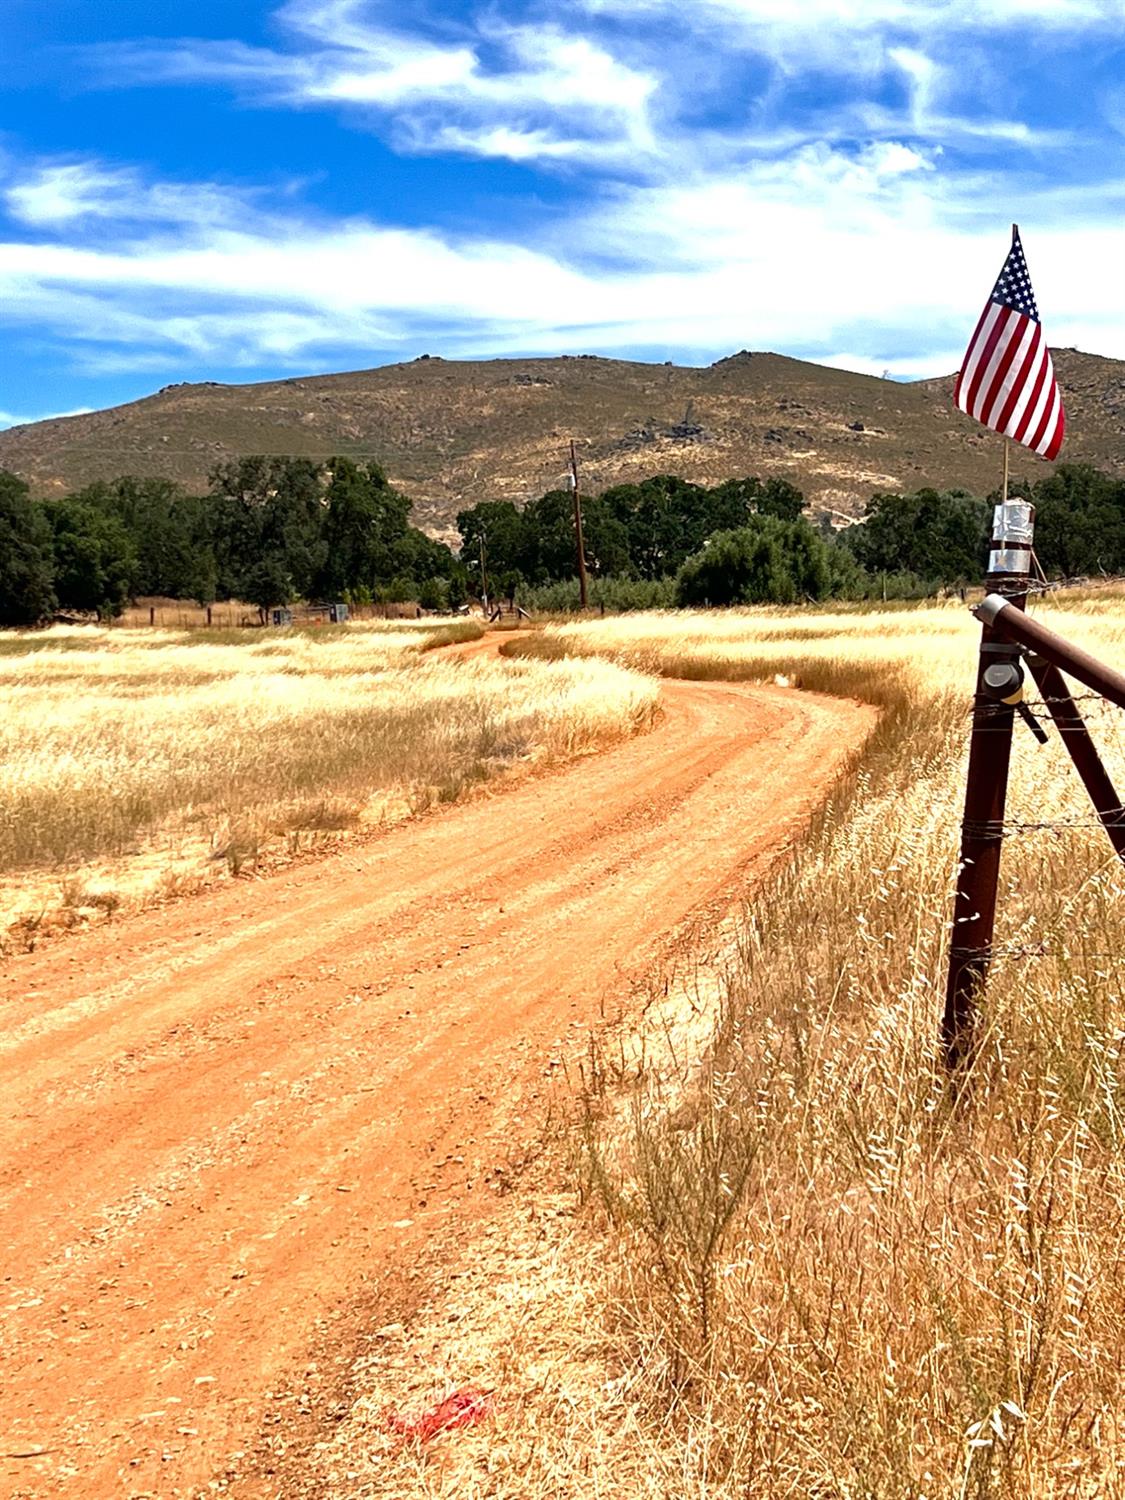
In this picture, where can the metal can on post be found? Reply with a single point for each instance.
(1009, 557)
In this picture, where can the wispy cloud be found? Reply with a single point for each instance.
(821, 252)
(839, 17)
(56, 194)
(9, 419)
(636, 88)
(524, 90)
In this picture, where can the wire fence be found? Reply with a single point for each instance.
(1046, 800)
(176, 614)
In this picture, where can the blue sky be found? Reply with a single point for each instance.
(238, 191)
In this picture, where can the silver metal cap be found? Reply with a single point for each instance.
(989, 607)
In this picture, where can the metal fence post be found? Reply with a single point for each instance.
(986, 790)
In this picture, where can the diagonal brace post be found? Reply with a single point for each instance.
(1083, 752)
(1003, 619)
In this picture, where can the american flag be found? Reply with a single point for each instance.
(1007, 380)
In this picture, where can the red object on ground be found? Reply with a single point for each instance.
(460, 1409)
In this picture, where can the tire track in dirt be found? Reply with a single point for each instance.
(221, 1117)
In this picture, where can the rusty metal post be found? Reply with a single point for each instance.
(1083, 752)
(579, 541)
(986, 791)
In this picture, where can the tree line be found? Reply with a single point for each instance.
(748, 541)
(269, 531)
(273, 530)
(942, 538)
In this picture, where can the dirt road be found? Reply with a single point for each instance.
(220, 1117)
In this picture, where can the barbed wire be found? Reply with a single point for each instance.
(1072, 698)
(1002, 952)
(1044, 586)
(991, 703)
(992, 830)
(981, 709)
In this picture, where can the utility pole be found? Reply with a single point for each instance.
(483, 576)
(998, 693)
(572, 485)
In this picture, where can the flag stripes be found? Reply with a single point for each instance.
(1007, 380)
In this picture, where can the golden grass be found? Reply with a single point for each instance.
(827, 1279)
(174, 752)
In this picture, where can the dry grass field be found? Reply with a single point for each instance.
(839, 1282)
(137, 763)
(805, 1270)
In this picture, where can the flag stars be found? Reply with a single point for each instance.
(1013, 286)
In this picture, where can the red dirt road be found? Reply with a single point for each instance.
(221, 1116)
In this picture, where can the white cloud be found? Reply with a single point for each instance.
(939, 44)
(505, 142)
(60, 193)
(870, 257)
(591, 94)
(924, 75)
(944, 52)
(838, 229)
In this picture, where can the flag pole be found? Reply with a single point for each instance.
(1007, 440)
(1008, 331)
(986, 794)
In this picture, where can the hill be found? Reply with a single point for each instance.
(451, 433)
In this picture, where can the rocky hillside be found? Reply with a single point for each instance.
(451, 433)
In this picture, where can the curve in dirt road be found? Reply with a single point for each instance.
(222, 1116)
